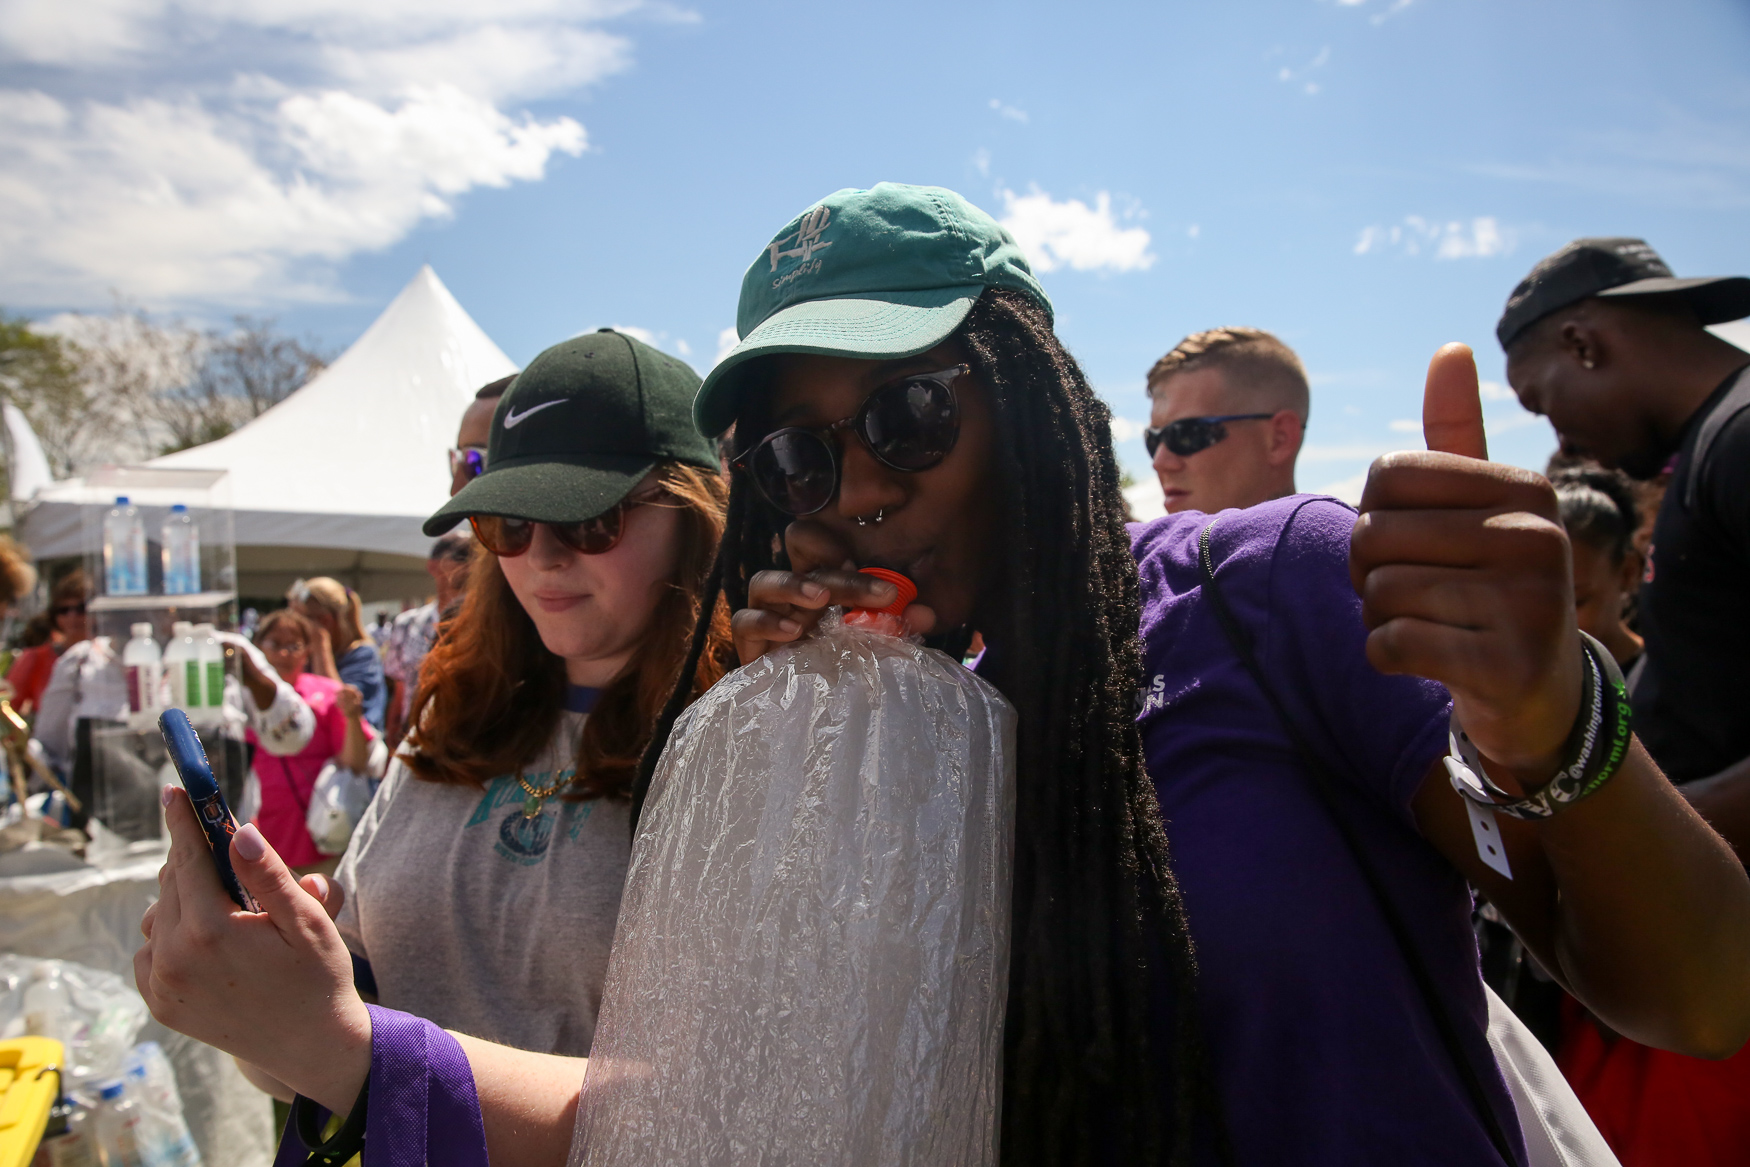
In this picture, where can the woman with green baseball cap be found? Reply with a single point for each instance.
(978, 463)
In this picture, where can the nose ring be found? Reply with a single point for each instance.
(862, 522)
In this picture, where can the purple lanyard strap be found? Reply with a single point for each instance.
(423, 1109)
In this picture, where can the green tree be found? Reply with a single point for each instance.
(39, 374)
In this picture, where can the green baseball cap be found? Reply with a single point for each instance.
(871, 274)
(578, 429)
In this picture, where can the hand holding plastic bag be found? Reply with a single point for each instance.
(811, 965)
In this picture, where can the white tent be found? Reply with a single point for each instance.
(337, 478)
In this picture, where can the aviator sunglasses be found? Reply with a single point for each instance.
(1188, 435)
(910, 424)
(508, 537)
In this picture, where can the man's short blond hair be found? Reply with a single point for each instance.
(1261, 372)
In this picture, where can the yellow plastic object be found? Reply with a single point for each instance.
(29, 1084)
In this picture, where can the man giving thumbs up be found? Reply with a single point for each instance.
(1303, 667)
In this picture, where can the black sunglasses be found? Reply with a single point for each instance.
(910, 424)
(1191, 434)
(508, 537)
(63, 609)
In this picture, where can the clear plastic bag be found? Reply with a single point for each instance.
(338, 800)
(811, 964)
(94, 1014)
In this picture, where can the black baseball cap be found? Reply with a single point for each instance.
(1616, 266)
(579, 428)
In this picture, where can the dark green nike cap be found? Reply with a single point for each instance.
(579, 428)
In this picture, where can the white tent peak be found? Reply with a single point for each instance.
(29, 468)
(368, 432)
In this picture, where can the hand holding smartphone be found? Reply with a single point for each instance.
(190, 759)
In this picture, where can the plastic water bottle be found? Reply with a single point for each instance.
(182, 667)
(124, 550)
(165, 1140)
(181, 542)
(48, 1006)
(142, 661)
(68, 1140)
(211, 656)
(119, 1123)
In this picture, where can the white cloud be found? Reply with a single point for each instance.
(726, 340)
(1299, 77)
(639, 334)
(1126, 429)
(1147, 500)
(1390, 10)
(1480, 238)
(1404, 425)
(1495, 391)
(655, 338)
(1008, 111)
(242, 148)
(981, 162)
(1347, 489)
(1354, 451)
(1074, 235)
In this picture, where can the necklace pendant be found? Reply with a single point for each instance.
(532, 805)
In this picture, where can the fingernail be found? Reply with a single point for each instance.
(789, 626)
(166, 794)
(884, 591)
(321, 892)
(250, 844)
(813, 590)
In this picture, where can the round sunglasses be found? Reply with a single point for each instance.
(508, 537)
(1188, 435)
(909, 424)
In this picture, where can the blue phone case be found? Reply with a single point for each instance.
(190, 760)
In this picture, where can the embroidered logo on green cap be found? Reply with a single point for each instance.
(806, 240)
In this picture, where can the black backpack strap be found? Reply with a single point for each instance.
(1324, 784)
(1736, 400)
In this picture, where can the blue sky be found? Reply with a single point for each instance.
(1368, 180)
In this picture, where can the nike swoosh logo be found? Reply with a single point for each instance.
(512, 418)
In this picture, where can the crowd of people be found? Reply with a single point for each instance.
(1280, 762)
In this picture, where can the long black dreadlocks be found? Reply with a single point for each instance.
(1091, 853)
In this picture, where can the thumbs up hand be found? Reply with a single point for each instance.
(1463, 570)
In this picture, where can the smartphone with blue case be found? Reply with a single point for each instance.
(190, 759)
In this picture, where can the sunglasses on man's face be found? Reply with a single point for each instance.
(1188, 435)
(468, 463)
(508, 537)
(910, 424)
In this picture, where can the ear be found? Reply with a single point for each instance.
(1583, 344)
(1286, 432)
(1628, 572)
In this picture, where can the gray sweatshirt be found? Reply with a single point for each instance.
(482, 919)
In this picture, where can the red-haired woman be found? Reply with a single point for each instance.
(483, 883)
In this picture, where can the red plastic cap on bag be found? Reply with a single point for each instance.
(908, 591)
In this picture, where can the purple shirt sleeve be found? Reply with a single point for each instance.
(423, 1109)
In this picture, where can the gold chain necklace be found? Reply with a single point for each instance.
(537, 798)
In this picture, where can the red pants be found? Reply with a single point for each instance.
(1658, 1109)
